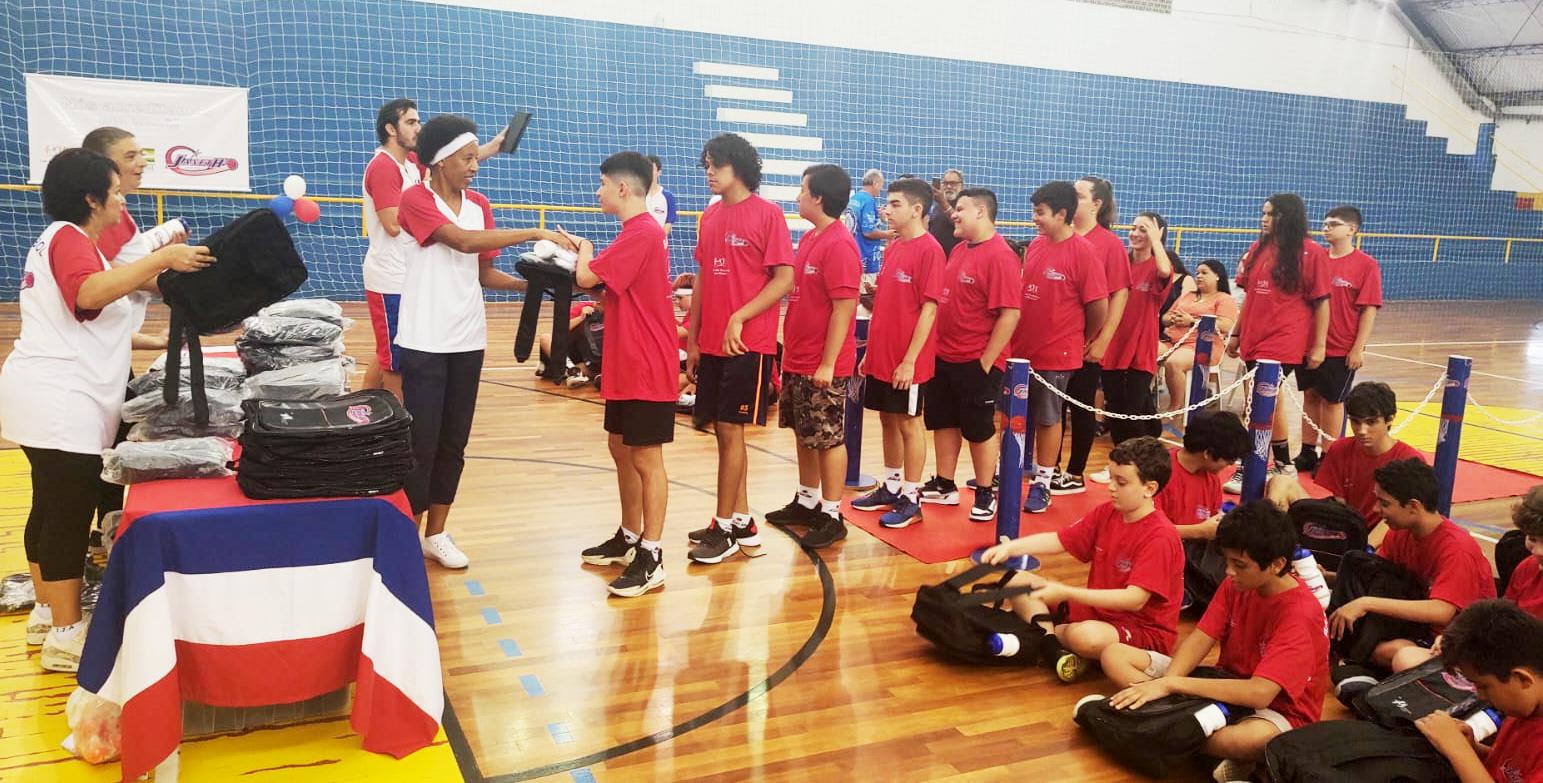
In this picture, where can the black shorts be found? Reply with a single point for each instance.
(960, 396)
(1285, 369)
(1331, 380)
(733, 389)
(885, 398)
(640, 422)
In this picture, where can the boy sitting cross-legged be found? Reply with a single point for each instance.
(1135, 576)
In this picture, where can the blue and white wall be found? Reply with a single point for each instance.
(1199, 114)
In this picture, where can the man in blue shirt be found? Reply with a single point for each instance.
(862, 218)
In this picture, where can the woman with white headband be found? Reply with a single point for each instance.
(442, 326)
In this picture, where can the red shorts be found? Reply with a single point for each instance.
(383, 322)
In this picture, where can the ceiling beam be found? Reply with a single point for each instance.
(1442, 5)
(1518, 98)
(1517, 50)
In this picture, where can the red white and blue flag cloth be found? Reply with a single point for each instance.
(268, 603)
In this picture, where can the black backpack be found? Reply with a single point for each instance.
(1328, 529)
(1204, 569)
(961, 625)
(1150, 737)
(1360, 574)
(1400, 700)
(256, 264)
(1510, 552)
(1350, 751)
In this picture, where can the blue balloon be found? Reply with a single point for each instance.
(283, 206)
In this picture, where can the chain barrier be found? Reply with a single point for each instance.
(1507, 422)
(1436, 387)
(1142, 416)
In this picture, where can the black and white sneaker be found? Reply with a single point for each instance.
(615, 551)
(942, 491)
(1066, 484)
(985, 508)
(826, 530)
(718, 544)
(644, 573)
(794, 513)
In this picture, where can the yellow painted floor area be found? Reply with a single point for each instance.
(1509, 444)
(32, 720)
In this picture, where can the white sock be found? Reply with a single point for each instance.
(911, 489)
(808, 497)
(892, 478)
(725, 524)
(743, 520)
(652, 546)
(43, 610)
(1043, 475)
(67, 632)
(830, 507)
(631, 537)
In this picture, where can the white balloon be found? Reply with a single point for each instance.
(294, 186)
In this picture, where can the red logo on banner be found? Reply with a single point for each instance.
(188, 162)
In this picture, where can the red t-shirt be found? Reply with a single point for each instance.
(1145, 553)
(73, 258)
(912, 276)
(114, 237)
(1059, 279)
(1283, 638)
(1448, 560)
(737, 246)
(640, 361)
(827, 267)
(1134, 345)
(685, 320)
(1356, 282)
(1517, 754)
(1188, 497)
(1526, 587)
(1278, 324)
(576, 310)
(1347, 472)
(979, 280)
(1111, 256)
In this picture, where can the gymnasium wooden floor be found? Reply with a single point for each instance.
(791, 666)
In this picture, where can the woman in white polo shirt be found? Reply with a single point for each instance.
(63, 383)
(442, 326)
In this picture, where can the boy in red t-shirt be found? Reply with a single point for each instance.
(1431, 546)
(1347, 467)
(1192, 499)
(1135, 574)
(1271, 632)
(1526, 585)
(901, 351)
(745, 257)
(1499, 648)
(638, 372)
(819, 354)
(1354, 299)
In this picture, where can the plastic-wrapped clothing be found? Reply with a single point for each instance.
(222, 363)
(224, 377)
(317, 309)
(171, 427)
(133, 463)
(300, 382)
(224, 407)
(260, 358)
(283, 330)
(17, 593)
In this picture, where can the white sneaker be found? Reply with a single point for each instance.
(39, 620)
(1234, 485)
(686, 400)
(61, 653)
(442, 548)
(1099, 476)
(1232, 771)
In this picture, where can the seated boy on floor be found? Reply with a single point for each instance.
(1192, 498)
(1434, 548)
(1499, 648)
(1526, 585)
(1135, 576)
(1272, 634)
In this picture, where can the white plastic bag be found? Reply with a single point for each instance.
(95, 733)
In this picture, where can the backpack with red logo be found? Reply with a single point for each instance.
(1400, 700)
(1328, 529)
(345, 445)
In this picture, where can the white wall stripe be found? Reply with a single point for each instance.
(740, 71)
(730, 92)
(796, 224)
(763, 117)
(781, 141)
(779, 192)
(791, 168)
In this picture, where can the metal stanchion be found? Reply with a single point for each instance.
(1257, 463)
(1205, 345)
(1454, 400)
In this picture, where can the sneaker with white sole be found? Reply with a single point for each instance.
(1099, 476)
(615, 551)
(61, 653)
(1233, 771)
(903, 513)
(1234, 485)
(441, 548)
(877, 499)
(1066, 484)
(39, 620)
(985, 507)
(1038, 500)
(645, 572)
(942, 491)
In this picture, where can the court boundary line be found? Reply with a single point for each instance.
(1443, 367)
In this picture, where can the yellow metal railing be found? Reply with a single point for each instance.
(544, 210)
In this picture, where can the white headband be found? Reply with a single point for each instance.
(452, 146)
(683, 292)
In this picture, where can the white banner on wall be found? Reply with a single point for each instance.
(195, 136)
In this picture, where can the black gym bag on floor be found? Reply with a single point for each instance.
(1400, 700)
(1328, 529)
(961, 625)
(1149, 738)
(1364, 574)
(1352, 751)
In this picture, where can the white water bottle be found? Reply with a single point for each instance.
(165, 234)
(1306, 567)
(1212, 717)
(1004, 645)
(1484, 723)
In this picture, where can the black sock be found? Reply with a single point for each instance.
(1282, 451)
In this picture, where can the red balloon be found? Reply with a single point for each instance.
(307, 210)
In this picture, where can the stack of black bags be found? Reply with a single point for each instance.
(346, 445)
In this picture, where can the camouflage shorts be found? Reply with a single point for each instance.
(816, 416)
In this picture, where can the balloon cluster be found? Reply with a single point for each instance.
(293, 201)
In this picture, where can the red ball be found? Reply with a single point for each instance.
(307, 210)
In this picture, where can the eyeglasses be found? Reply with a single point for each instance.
(1328, 224)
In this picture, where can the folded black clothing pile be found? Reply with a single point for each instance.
(276, 342)
(346, 445)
